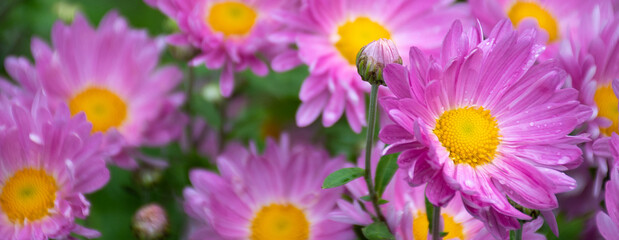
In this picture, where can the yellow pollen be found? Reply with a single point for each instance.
(103, 108)
(276, 221)
(470, 135)
(356, 34)
(231, 18)
(525, 9)
(453, 229)
(608, 107)
(28, 194)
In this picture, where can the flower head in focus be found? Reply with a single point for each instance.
(274, 195)
(109, 74)
(48, 162)
(485, 121)
(330, 33)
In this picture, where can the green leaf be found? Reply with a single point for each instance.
(341, 177)
(377, 231)
(368, 199)
(387, 166)
(443, 234)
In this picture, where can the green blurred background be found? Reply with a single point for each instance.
(274, 100)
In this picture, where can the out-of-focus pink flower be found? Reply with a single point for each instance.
(110, 74)
(48, 162)
(590, 58)
(608, 224)
(256, 194)
(230, 34)
(484, 121)
(556, 19)
(330, 33)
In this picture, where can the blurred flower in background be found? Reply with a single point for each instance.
(329, 34)
(274, 195)
(48, 161)
(109, 74)
(232, 35)
(556, 19)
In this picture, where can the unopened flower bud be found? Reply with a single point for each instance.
(148, 176)
(150, 223)
(372, 59)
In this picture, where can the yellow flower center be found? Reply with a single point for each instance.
(28, 194)
(356, 34)
(450, 226)
(231, 18)
(608, 107)
(276, 221)
(524, 9)
(470, 134)
(103, 108)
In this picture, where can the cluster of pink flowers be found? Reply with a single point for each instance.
(497, 111)
(94, 96)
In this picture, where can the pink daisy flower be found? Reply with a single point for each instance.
(591, 58)
(230, 34)
(608, 224)
(484, 121)
(110, 74)
(48, 162)
(556, 19)
(329, 33)
(255, 195)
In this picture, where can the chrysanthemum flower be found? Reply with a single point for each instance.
(276, 195)
(589, 57)
(109, 74)
(48, 162)
(591, 60)
(485, 121)
(555, 18)
(329, 33)
(608, 224)
(232, 35)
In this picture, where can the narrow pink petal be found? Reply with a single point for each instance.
(309, 111)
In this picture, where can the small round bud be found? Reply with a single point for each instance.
(211, 93)
(150, 222)
(372, 59)
(148, 176)
(183, 53)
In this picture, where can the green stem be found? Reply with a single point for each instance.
(436, 223)
(518, 232)
(368, 151)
